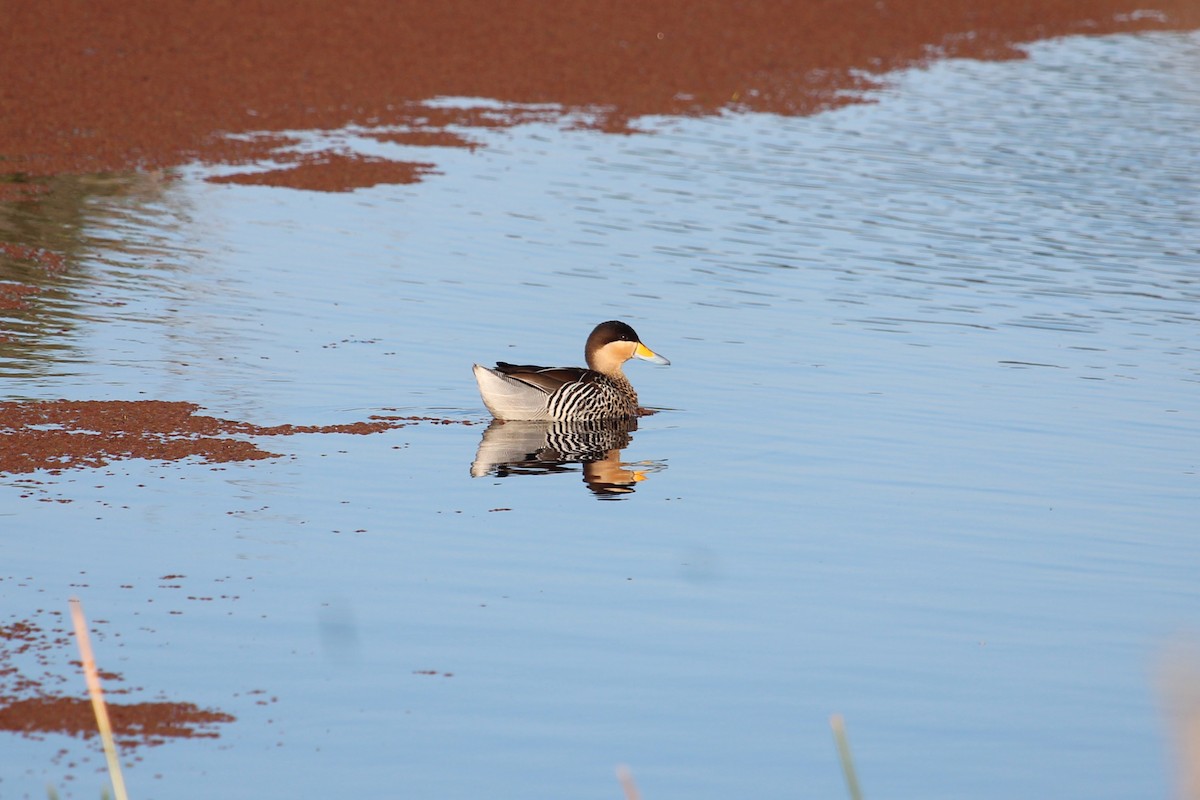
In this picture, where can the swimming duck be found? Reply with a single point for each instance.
(570, 394)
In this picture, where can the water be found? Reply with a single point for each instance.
(926, 454)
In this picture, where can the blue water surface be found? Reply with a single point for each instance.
(927, 454)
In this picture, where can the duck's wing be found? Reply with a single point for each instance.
(522, 391)
(547, 379)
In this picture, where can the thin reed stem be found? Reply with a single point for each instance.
(625, 776)
(97, 694)
(843, 745)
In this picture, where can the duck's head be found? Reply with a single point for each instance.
(613, 343)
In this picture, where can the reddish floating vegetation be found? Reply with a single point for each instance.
(333, 172)
(60, 434)
(433, 138)
(134, 724)
(46, 259)
(107, 86)
(36, 707)
(12, 296)
(15, 296)
(434, 420)
(433, 672)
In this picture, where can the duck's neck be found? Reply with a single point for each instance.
(607, 361)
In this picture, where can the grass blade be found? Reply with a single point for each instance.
(843, 745)
(97, 694)
(625, 776)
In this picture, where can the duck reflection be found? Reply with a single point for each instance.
(518, 447)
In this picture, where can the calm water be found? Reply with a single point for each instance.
(927, 454)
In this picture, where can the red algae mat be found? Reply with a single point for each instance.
(37, 700)
(60, 434)
(109, 86)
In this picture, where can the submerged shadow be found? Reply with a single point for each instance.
(512, 447)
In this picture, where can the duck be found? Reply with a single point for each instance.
(570, 394)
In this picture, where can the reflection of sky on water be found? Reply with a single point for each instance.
(929, 443)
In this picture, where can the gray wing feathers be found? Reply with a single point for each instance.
(510, 398)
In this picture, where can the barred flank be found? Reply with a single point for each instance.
(592, 400)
